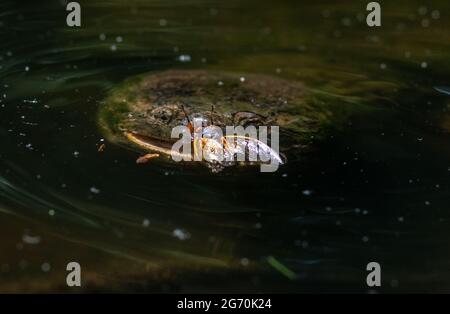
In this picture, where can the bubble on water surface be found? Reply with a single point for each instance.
(94, 190)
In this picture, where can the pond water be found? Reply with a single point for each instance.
(376, 188)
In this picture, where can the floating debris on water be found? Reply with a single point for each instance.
(101, 148)
(281, 268)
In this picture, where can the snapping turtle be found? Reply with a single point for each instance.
(143, 111)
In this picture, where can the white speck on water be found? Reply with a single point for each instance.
(424, 65)
(94, 190)
(383, 66)
(184, 58)
(244, 261)
(328, 209)
(45, 267)
(220, 83)
(119, 39)
(435, 14)
(401, 219)
(420, 139)
(284, 175)
(365, 239)
(162, 22)
(102, 36)
(428, 203)
(51, 212)
(76, 154)
(365, 212)
(27, 68)
(145, 223)
(181, 234)
(242, 79)
(357, 210)
(32, 101)
(113, 47)
(31, 239)
(307, 192)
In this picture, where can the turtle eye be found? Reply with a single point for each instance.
(245, 118)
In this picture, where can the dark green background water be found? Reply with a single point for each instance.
(376, 189)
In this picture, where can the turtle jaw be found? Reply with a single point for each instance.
(154, 145)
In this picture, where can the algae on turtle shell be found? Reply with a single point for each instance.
(152, 104)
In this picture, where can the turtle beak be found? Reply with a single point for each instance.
(147, 142)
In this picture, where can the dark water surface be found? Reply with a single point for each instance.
(376, 189)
